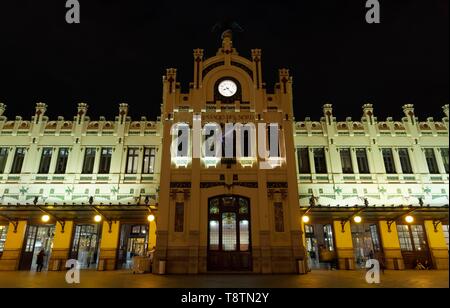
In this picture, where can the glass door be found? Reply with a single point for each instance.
(38, 238)
(413, 245)
(85, 245)
(229, 246)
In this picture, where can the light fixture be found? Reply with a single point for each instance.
(45, 218)
(305, 219)
(151, 217)
(409, 219)
(97, 218)
(357, 219)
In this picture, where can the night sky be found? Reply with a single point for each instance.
(121, 49)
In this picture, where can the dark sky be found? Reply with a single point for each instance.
(121, 49)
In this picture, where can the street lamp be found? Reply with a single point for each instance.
(97, 218)
(357, 219)
(409, 219)
(305, 219)
(45, 218)
(151, 217)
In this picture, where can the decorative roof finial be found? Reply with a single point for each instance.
(227, 27)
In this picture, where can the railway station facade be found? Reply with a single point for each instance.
(343, 191)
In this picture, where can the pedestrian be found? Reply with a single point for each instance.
(40, 260)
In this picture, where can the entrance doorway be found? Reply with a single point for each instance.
(85, 245)
(133, 242)
(38, 237)
(413, 244)
(366, 243)
(229, 240)
(320, 246)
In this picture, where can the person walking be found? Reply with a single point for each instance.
(40, 260)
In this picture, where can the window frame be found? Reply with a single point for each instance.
(104, 166)
(46, 160)
(89, 153)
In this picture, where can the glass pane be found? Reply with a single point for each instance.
(3, 232)
(375, 239)
(214, 235)
(243, 235)
(243, 206)
(214, 206)
(420, 243)
(445, 159)
(346, 161)
(229, 232)
(446, 233)
(404, 238)
(328, 237)
(303, 160)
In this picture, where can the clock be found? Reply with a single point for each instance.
(227, 88)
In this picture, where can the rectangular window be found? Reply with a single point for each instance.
(243, 235)
(431, 161)
(89, 159)
(273, 140)
(105, 160)
(279, 217)
(229, 241)
(319, 160)
(61, 161)
(418, 235)
(388, 159)
(3, 159)
(375, 239)
(303, 160)
(18, 160)
(3, 232)
(328, 237)
(405, 162)
(179, 217)
(444, 154)
(404, 238)
(361, 158)
(46, 158)
(132, 160)
(346, 161)
(30, 238)
(214, 235)
(148, 165)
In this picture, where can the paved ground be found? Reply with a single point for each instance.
(315, 279)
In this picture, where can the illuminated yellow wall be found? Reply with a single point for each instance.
(63, 240)
(342, 239)
(110, 240)
(14, 241)
(435, 238)
(389, 239)
(152, 235)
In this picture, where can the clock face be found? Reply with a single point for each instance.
(227, 88)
